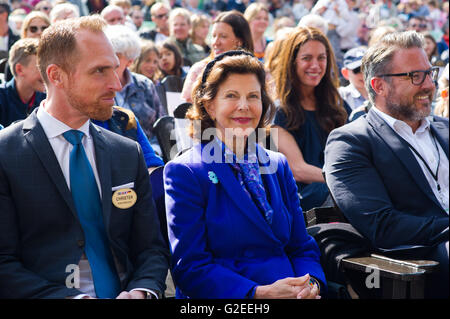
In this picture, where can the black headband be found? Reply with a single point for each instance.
(210, 65)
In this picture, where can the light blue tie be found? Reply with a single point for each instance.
(88, 206)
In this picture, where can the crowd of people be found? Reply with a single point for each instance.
(356, 91)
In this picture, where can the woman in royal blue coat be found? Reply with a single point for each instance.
(236, 228)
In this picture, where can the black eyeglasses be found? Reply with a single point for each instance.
(160, 16)
(34, 29)
(417, 77)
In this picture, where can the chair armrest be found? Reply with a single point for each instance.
(322, 215)
(404, 270)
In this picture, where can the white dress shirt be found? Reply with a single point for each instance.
(54, 130)
(422, 141)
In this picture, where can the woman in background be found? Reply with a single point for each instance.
(34, 24)
(306, 81)
(138, 93)
(199, 30)
(170, 60)
(230, 31)
(147, 62)
(257, 16)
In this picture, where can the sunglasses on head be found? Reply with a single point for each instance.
(34, 29)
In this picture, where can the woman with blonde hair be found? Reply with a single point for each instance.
(34, 24)
(311, 107)
(257, 15)
(199, 30)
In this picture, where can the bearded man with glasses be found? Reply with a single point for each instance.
(388, 170)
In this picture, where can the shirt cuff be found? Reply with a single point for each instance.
(80, 296)
(153, 293)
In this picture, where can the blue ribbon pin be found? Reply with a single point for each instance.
(212, 176)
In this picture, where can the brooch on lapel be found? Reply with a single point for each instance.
(212, 176)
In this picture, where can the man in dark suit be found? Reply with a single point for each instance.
(388, 170)
(76, 215)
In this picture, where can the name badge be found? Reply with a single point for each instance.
(124, 198)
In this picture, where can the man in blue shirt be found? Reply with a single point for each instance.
(25, 91)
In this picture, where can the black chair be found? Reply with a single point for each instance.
(163, 128)
(173, 83)
(348, 259)
(4, 68)
(3, 62)
(170, 83)
(181, 110)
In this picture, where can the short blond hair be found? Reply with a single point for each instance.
(121, 3)
(180, 12)
(20, 53)
(253, 9)
(58, 44)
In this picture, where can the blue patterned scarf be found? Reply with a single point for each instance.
(248, 175)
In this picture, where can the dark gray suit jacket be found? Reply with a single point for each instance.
(40, 234)
(379, 185)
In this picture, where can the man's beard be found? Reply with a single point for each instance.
(406, 109)
(94, 110)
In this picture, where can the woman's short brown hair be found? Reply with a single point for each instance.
(221, 69)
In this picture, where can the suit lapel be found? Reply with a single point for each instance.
(103, 162)
(401, 149)
(35, 136)
(441, 132)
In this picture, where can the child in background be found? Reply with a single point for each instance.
(147, 63)
(170, 60)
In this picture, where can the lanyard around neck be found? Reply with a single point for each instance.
(435, 175)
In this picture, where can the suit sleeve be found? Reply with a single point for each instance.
(302, 249)
(360, 194)
(194, 268)
(148, 251)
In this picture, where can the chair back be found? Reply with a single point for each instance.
(163, 128)
(173, 83)
(157, 183)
